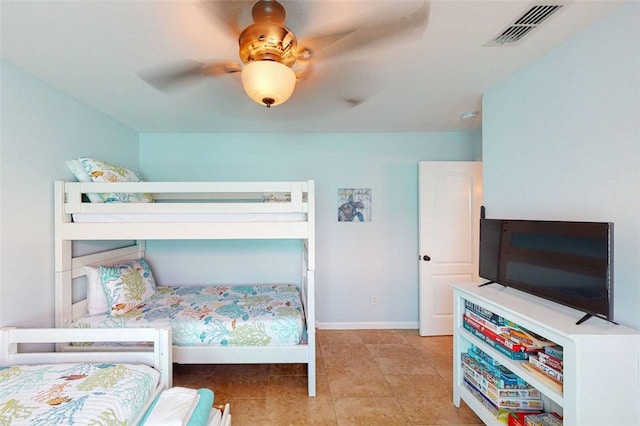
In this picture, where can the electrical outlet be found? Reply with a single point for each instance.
(374, 299)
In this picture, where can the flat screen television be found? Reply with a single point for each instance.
(570, 263)
(490, 242)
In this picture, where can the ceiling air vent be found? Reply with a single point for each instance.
(523, 25)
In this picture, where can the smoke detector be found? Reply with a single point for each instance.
(470, 115)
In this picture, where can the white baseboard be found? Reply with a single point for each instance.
(366, 325)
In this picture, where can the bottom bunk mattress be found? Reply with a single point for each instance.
(81, 394)
(217, 315)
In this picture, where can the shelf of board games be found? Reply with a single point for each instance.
(601, 374)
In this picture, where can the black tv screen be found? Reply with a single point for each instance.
(567, 262)
(490, 240)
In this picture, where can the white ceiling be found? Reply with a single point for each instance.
(424, 80)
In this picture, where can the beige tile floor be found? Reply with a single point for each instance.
(364, 377)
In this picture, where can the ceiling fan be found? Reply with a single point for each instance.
(272, 58)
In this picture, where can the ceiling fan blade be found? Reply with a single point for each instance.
(229, 13)
(174, 76)
(321, 41)
(353, 102)
(373, 32)
(333, 90)
(220, 68)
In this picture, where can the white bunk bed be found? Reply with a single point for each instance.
(183, 211)
(43, 387)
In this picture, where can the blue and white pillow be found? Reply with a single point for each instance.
(127, 285)
(101, 171)
(78, 171)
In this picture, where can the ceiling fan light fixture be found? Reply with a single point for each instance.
(269, 83)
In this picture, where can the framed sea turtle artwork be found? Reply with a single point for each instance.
(354, 205)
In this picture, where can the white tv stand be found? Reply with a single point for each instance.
(601, 359)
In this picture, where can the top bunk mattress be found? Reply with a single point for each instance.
(187, 217)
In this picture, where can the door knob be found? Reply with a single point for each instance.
(426, 258)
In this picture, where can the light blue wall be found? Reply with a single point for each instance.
(40, 129)
(354, 260)
(561, 140)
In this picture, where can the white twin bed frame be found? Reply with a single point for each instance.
(14, 350)
(184, 211)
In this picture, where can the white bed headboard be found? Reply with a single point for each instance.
(66, 309)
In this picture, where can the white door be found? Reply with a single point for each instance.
(449, 201)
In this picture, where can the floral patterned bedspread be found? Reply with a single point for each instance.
(218, 315)
(80, 394)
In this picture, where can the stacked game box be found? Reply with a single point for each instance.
(544, 419)
(505, 394)
(527, 338)
(549, 362)
(500, 390)
(534, 419)
(506, 337)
